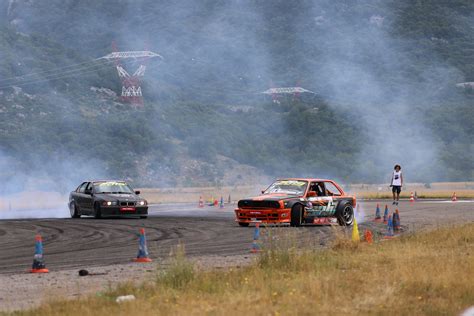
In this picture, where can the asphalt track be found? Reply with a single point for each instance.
(85, 242)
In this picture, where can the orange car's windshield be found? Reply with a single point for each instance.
(296, 187)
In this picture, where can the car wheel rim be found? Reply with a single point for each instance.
(347, 215)
(72, 209)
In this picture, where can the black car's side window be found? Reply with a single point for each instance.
(89, 187)
(82, 188)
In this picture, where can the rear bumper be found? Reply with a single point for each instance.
(128, 211)
(262, 215)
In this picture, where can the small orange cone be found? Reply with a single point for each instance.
(38, 262)
(368, 236)
(412, 197)
(454, 198)
(201, 202)
(142, 255)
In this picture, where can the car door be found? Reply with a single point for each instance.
(322, 202)
(88, 199)
(333, 193)
(78, 195)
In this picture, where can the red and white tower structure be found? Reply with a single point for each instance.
(131, 89)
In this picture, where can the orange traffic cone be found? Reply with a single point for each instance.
(368, 236)
(142, 255)
(201, 202)
(454, 198)
(412, 197)
(38, 262)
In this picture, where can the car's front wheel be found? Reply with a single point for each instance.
(97, 211)
(296, 215)
(345, 213)
(73, 209)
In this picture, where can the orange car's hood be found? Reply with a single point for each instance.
(273, 197)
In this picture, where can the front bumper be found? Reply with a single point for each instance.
(262, 215)
(124, 211)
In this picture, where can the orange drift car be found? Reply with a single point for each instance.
(297, 202)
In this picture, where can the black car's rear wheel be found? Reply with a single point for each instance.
(97, 211)
(74, 210)
(296, 215)
(345, 213)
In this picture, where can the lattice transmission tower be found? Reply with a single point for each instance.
(131, 89)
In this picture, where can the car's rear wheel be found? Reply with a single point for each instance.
(73, 209)
(97, 211)
(143, 216)
(345, 213)
(296, 215)
(244, 224)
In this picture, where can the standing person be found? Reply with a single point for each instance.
(396, 183)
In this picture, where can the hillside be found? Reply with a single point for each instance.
(385, 74)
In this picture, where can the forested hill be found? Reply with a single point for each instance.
(385, 77)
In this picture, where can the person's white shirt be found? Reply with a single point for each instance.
(397, 178)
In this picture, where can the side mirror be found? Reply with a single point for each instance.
(263, 191)
(311, 193)
(137, 192)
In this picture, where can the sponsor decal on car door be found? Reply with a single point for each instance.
(323, 205)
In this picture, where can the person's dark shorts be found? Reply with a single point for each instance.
(396, 189)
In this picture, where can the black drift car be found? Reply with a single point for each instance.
(106, 198)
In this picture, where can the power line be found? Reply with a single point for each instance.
(53, 77)
(58, 69)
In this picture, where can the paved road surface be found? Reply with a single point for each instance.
(87, 242)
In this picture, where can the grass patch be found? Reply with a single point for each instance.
(429, 273)
(427, 194)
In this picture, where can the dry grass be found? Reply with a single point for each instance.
(192, 194)
(422, 194)
(426, 274)
(437, 190)
(375, 191)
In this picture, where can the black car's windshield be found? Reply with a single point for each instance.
(112, 187)
(296, 187)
